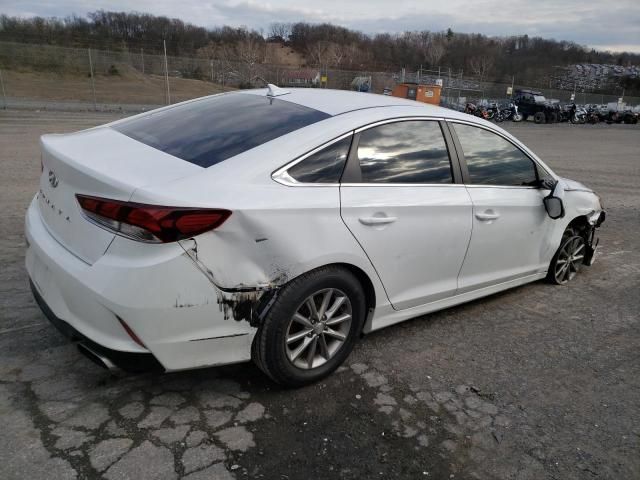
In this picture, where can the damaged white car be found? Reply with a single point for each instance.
(280, 226)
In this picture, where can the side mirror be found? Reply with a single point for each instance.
(554, 206)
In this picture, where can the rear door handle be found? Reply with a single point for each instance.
(489, 215)
(377, 220)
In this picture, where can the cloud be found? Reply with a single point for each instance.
(614, 26)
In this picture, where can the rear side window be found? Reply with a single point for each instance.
(492, 160)
(211, 130)
(404, 152)
(324, 166)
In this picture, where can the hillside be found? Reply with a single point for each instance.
(128, 88)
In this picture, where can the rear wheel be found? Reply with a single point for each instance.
(539, 117)
(517, 117)
(568, 259)
(311, 328)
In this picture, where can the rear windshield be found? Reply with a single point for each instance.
(211, 130)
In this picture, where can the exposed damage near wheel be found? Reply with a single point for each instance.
(244, 302)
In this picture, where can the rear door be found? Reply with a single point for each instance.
(511, 228)
(400, 201)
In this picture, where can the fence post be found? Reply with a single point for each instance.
(93, 83)
(142, 59)
(166, 72)
(4, 95)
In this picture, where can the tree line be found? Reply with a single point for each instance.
(533, 59)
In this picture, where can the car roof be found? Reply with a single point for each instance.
(337, 102)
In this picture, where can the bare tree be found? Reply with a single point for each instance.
(280, 31)
(335, 54)
(435, 52)
(318, 53)
(421, 42)
(249, 53)
(481, 66)
(351, 53)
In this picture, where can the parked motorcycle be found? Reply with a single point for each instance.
(472, 109)
(577, 114)
(492, 111)
(592, 116)
(508, 113)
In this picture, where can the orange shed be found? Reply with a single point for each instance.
(420, 93)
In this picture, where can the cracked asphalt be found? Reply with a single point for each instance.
(540, 382)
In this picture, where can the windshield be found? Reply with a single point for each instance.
(539, 98)
(213, 129)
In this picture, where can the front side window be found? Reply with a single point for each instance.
(324, 166)
(404, 152)
(492, 160)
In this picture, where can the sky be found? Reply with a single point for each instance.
(610, 25)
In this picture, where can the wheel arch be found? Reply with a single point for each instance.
(367, 287)
(363, 278)
(580, 223)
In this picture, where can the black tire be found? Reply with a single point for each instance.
(553, 118)
(539, 117)
(269, 351)
(569, 235)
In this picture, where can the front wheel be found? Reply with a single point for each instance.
(517, 117)
(539, 117)
(568, 259)
(311, 328)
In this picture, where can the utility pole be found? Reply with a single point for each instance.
(4, 95)
(166, 72)
(93, 83)
(142, 59)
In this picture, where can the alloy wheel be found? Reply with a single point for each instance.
(318, 329)
(570, 258)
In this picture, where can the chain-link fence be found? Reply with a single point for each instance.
(45, 76)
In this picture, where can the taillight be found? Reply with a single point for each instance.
(150, 223)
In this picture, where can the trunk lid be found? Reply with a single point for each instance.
(99, 162)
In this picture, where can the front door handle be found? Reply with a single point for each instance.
(488, 215)
(377, 220)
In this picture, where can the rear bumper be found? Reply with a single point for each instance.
(170, 306)
(128, 361)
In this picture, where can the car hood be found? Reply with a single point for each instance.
(572, 185)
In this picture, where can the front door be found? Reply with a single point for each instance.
(510, 225)
(403, 208)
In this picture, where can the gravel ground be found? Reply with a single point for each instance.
(540, 382)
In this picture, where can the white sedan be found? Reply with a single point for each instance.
(280, 226)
